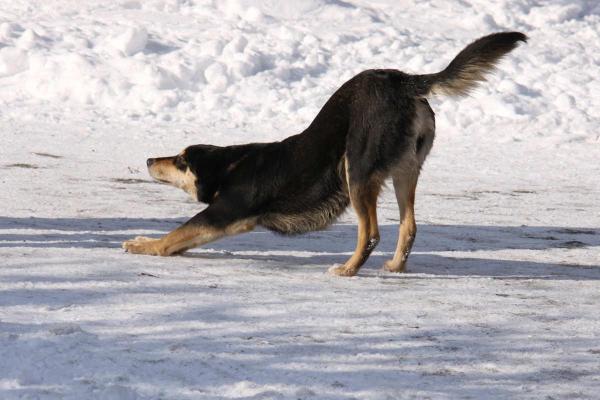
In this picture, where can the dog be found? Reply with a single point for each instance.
(377, 125)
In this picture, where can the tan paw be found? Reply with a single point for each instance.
(394, 266)
(143, 245)
(342, 270)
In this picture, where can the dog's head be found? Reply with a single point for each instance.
(177, 171)
(198, 169)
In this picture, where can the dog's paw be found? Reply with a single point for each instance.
(393, 266)
(143, 245)
(341, 270)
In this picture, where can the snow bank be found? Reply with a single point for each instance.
(12, 61)
(277, 62)
(131, 41)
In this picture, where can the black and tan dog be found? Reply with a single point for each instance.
(376, 126)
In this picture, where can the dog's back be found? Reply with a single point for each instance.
(377, 124)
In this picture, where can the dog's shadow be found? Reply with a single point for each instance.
(439, 249)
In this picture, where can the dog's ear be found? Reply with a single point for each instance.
(201, 159)
(208, 164)
(193, 162)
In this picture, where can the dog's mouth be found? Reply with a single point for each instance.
(163, 172)
(158, 177)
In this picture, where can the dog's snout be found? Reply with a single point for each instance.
(149, 162)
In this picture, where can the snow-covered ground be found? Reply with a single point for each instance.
(502, 295)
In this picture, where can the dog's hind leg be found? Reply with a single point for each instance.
(404, 187)
(405, 179)
(364, 201)
(211, 224)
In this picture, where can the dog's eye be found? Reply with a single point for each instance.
(180, 163)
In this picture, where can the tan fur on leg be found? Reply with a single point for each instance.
(184, 238)
(405, 195)
(143, 245)
(364, 200)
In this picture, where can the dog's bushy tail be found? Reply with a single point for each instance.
(469, 67)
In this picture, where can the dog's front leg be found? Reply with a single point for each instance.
(211, 224)
(143, 245)
(181, 239)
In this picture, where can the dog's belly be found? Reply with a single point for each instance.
(312, 218)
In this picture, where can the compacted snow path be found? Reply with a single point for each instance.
(501, 299)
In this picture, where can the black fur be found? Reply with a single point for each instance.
(469, 66)
(375, 125)
(302, 178)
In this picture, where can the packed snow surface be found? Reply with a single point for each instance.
(501, 298)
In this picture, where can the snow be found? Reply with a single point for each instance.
(131, 41)
(502, 292)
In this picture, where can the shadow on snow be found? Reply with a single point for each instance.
(207, 348)
(332, 245)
